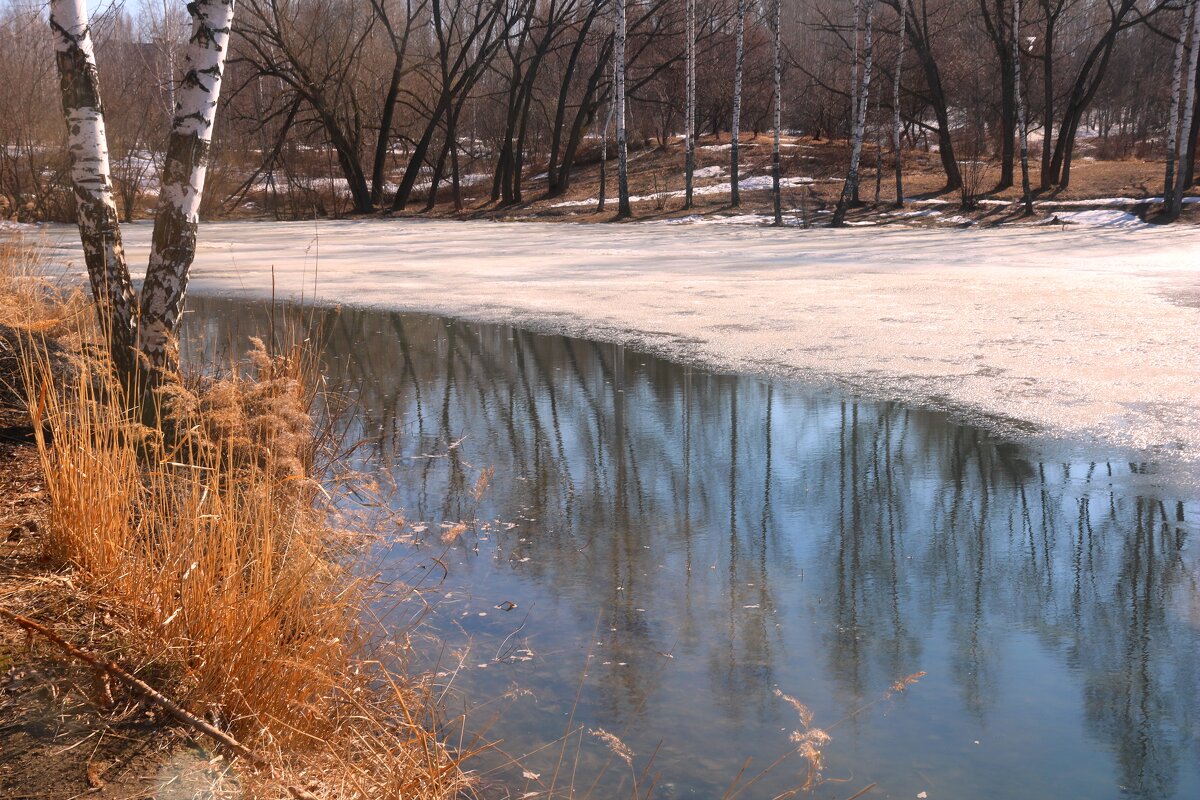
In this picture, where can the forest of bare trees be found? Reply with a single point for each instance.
(333, 107)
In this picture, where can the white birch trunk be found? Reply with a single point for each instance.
(1176, 83)
(896, 129)
(95, 206)
(1022, 127)
(850, 187)
(1185, 125)
(778, 72)
(735, 130)
(690, 123)
(178, 214)
(623, 209)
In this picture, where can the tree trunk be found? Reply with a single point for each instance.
(623, 209)
(878, 147)
(417, 159)
(178, 215)
(95, 206)
(860, 123)
(735, 129)
(439, 169)
(1187, 170)
(854, 79)
(918, 35)
(554, 175)
(855, 82)
(1047, 102)
(383, 143)
(604, 153)
(689, 127)
(1087, 82)
(778, 73)
(896, 129)
(1019, 101)
(1176, 84)
(1189, 109)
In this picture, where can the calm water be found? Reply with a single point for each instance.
(710, 538)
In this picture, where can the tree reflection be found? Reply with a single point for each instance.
(766, 531)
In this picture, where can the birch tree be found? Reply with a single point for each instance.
(854, 80)
(623, 209)
(735, 128)
(778, 97)
(850, 187)
(1183, 145)
(178, 216)
(1019, 101)
(901, 7)
(1185, 21)
(689, 127)
(91, 180)
(146, 332)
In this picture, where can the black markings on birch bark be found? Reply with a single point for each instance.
(177, 218)
(735, 128)
(850, 187)
(1185, 20)
(778, 73)
(690, 123)
(623, 209)
(1019, 100)
(896, 129)
(1183, 144)
(95, 206)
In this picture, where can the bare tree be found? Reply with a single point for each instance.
(1189, 109)
(95, 206)
(1022, 128)
(860, 121)
(1185, 21)
(776, 195)
(182, 187)
(623, 209)
(735, 129)
(897, 130)
(147, 333)
(689, 125)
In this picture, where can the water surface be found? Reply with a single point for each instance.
(709, 539)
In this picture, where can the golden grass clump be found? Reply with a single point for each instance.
(217, 554)
(225, 567)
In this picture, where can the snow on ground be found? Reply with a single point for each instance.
(746, 185)
(1107, 218)
(1090, 332)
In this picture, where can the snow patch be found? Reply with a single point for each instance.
(1102, 218)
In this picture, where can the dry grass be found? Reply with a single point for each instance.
(218, 557)
(31, 302)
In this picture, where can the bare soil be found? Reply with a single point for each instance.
(656, 173)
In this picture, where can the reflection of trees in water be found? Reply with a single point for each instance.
(704, 499)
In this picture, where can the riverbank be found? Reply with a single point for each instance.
(1081, 333)
(187, 611)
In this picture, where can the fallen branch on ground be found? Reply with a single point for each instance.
(148, 692)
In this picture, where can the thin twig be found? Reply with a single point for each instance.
(148, 692)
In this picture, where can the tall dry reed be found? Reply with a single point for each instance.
(218, 558)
